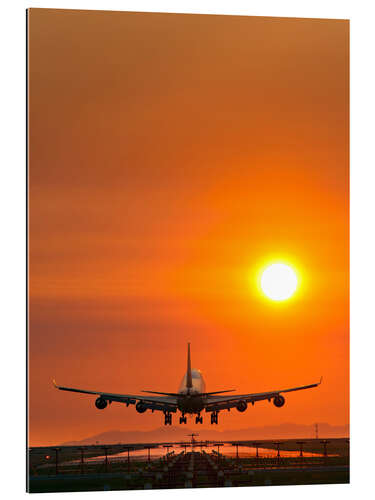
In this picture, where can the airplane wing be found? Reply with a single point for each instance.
(226, 402)
(152, 402)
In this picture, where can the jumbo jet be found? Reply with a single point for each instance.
(191, 398)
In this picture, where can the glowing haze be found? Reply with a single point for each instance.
(172, 158)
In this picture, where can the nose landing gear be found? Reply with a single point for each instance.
(214, 417)
(168, 418)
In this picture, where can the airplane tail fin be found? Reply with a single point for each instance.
(189, 380)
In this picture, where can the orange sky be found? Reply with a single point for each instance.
(171, 156)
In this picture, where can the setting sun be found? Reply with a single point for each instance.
(278, 282)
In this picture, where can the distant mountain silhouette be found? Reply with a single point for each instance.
(173, 433)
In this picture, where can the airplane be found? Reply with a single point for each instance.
(191, 398)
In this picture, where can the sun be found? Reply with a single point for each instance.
(278, 281)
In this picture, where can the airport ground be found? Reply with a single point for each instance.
(188, 465)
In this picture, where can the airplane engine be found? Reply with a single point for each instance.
(241, 406)
(100, 403)
(141, 407)
(279, 401)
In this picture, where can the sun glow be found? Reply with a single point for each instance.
(278, 281)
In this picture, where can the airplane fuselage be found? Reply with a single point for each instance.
(190, 403)
(190, 399)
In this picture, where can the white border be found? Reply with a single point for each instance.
(12, 213)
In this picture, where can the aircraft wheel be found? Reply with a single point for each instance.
(168, 419)
(214, 417)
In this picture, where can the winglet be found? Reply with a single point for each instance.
(320, 381)
(54, 383)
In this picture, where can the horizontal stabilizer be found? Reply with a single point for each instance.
(218, 392)
(162, 393)
(174, 394)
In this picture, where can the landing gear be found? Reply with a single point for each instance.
(167, 418)
(214, 417)
(199, 420)
(183, 420)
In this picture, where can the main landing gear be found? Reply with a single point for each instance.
(199, 420)
(214, 417)
(183, 419)
(168, 418)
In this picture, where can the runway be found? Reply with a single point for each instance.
(186, 465)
